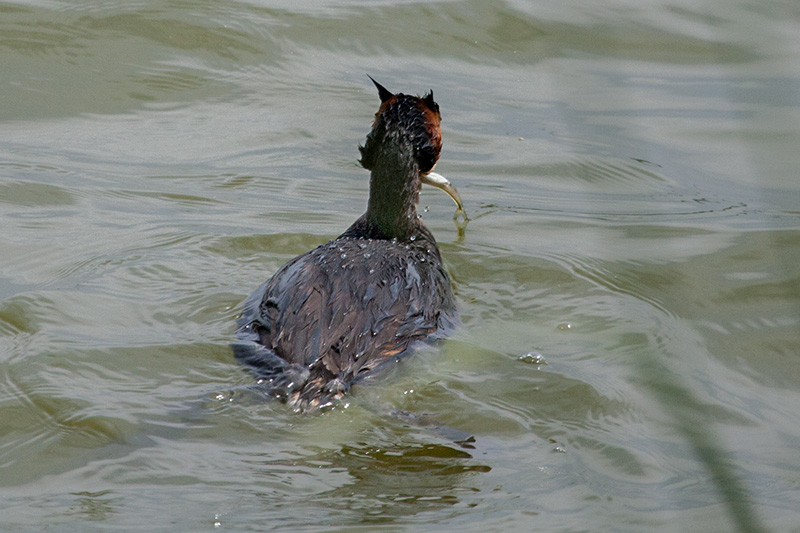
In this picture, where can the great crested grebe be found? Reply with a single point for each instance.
(331, 315)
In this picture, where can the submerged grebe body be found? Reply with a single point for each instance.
(333, 314)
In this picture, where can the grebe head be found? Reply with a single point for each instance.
(400, 153)
(408, 119)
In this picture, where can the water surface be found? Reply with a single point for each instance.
(630, 352)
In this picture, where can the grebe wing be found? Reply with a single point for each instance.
(312, 315)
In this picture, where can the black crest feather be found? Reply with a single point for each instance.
(383, 93)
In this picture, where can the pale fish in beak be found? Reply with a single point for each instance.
(442, 183)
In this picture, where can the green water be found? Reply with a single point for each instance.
(629, 287)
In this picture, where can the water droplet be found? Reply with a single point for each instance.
(532, 358)
(344, 256)
(413, 238)
(564, 326)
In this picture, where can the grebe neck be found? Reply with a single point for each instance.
(394, 191)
